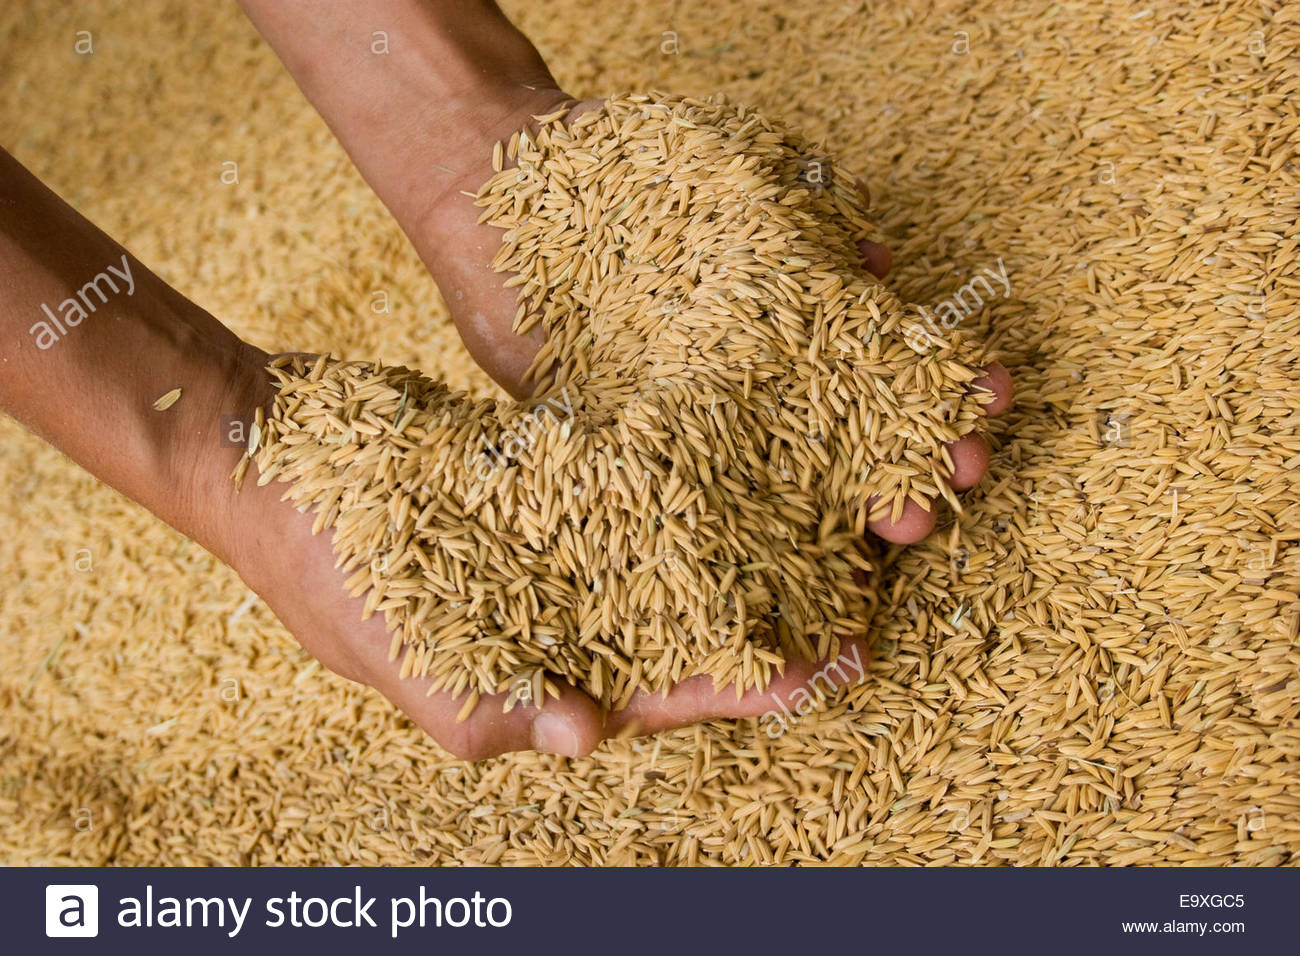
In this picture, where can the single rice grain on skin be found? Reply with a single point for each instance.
(166, 401)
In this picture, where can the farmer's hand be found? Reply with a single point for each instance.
(420, 121)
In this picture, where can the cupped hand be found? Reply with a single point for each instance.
(459, 250)
(275, 551)
(272, 546)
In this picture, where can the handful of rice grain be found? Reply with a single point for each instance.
(729, 397)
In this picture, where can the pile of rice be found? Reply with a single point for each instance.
(1097, 662)
(729, 396)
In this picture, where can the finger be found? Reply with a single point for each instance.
(876, 257)
(970, 459)
(970, 454)
(998, 381)
(694, 700)
(912, 525)
(569, 725)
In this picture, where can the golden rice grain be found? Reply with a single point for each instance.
(166, 401)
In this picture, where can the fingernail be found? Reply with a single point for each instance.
(555, 735)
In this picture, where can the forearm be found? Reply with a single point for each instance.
(90, 340)
(407, 86)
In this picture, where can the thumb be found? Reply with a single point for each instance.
(569, 725)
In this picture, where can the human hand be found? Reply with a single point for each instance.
(279, 556)
(427, 163)
(459, 250)
(271, 544)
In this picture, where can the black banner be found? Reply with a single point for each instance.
(648, 911)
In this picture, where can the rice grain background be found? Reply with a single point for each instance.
(1099, 664)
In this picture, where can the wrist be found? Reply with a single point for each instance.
(233, 386)
(446, 133)
(413, 89)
